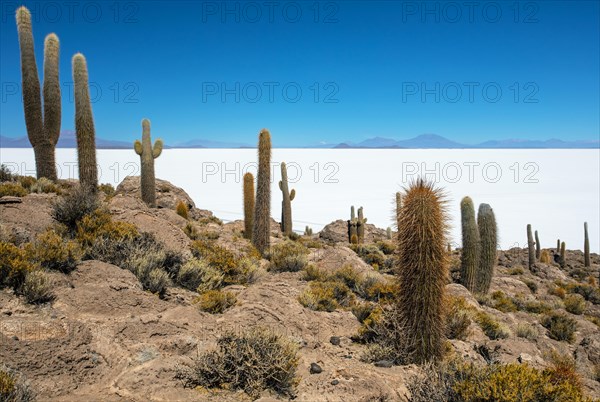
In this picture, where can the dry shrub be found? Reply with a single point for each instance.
(288, 256)
(575, 304)
(44, 185)
(458, 318)
(492, 328)
(14, 265)
(14, 387)
(182, 210)
(72, 207)
(37, 287)
(527, 331)
(215, 301)
(252, 361)
(559, 326)
(54, 252)
(326, 296)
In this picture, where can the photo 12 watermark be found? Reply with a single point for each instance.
(470, 92)
(470, 172)
(254, 12)
(472, 12)
(114, 92)
(70, 12)
(270, 92)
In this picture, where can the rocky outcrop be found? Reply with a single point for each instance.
(337, 232)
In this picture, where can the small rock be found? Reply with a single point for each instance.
(15, 338)
(335, 340)
(315, 368)
(9, 199)
(335, 382)
(384, 363)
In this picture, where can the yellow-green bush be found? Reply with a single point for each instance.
(252, 361)
(368, 330)
(107, 189)
(100, 224)
(182, 210)
(26, 181)
(314, 273)
(527, 331)
(559, 326)
(326, 296)
(370, 253)
(492, 328)
(12, 189)
(386, 247)
(14, 265)
(362, 310)
(375, 288)
(191, 231)
(348, 275)
(13, 388)
(575, 304)
(516, 271)
(458, 318)
(531, 285)
(288, 256)
(215, 301)
(217, 256)
(557, 290)
(37, 287)
(502, 302)
(70, 208)
(52, 251)
(44, 185)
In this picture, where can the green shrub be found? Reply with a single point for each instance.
(191, 231)
(156, 281)
(326, 296)
(37, 287)
(249, 271)
(559, 326)
(12, 189)
(458, 318)
(557, 290)
(107, 189)
(193, 273)
(369, 253)
(368, 331)
(99, 224)
(44, 185)
(589, 292)
(502, 302)
(216, 256)
(535, 307)
(575, 304)
(362, 310)
(13, 386)
(348, 275)
(14, 265)
(527, 331)
(252, 361)
(26, 181)
(492, 328)
(51, 251)
(376, 288)
(288, 256)
(69, 209)
(386, 247)
(314, 273)
(215, 301)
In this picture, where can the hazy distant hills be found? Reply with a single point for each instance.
(67, 140)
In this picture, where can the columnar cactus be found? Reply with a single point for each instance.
(470, 244)
(286, 203)
(352, 215)
(563, 259)
(388, 233)
(262, 211)
(398, 206)
(248, 205)
(84, 125)
(352, 232)
(360, 226)
(422, 267)
(308, 231)
(147, 154)
(538, 247)
(586, 246)
(530, 247)
(43, 132)
(488, 235)
(557, 245)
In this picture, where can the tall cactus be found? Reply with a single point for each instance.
(538, 247)
(563, 258)
(557, 245)
(586, 246)
(286, 203)
(422, 267)
(147, 154)
(248, 205)
(488, 235)
(352, 232)
(530, 247)
(470, 244)
(262, 211)
(43, 132)
(360, 226)
(398, 207)
(352, 214)
(84, 125)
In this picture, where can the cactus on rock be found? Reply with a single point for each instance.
(538, 247)
(470, 244)
(530, 247)
(43, 132)
(84, 125)
(563, 259)
(286, 203)
(360, 226)
(261, 231)
(147, 154)
(488, 235)
(248, 205)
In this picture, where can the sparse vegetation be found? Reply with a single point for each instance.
(288, 256)
(54, 252)
(215, 301)
(182, 210)
(326, 296)
(527, 331)
(370, 253)
(458, 319)
(12, 189)
(14, 387)
(37, 287)
(575, 304)
(491, 327)
(69, 209)
(559, 326)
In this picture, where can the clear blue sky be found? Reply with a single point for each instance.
(373, 58)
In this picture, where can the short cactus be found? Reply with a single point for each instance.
(43, 132)
(530, 247)
(248, 205)
(470, 244)
(261, 231)
(538, 247)
(308, 231)
(563, 259)
(557, 245)
(352, 231)
(586, 246)
(286, 203)
(84, 125)
(360, 226)
(422, 266)
(488, 235)
(147, 154)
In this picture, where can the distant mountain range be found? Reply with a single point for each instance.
(67, 140)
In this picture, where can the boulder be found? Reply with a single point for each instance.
(337, 232)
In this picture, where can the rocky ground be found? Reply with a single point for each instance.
(103, 338)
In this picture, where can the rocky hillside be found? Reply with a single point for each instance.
(119, 333)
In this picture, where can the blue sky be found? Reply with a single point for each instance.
(394, 69)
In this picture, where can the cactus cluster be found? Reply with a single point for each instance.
(248, 205)
(286, 203)
(84, 125)
(42, 131)
(356, 226)
(422, 267)
(262, 210)
(308, 231)
(147, 154)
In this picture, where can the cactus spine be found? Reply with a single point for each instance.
(286, 203)
(470, 244)
(43, 133)
(360, 226)
(84, 125)
(422, 267)
(563, 260)
(538, 248)
(248, 205)
(530, 249)
(488, 235)
(147, 155)
(262, 211)
(586, 246)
